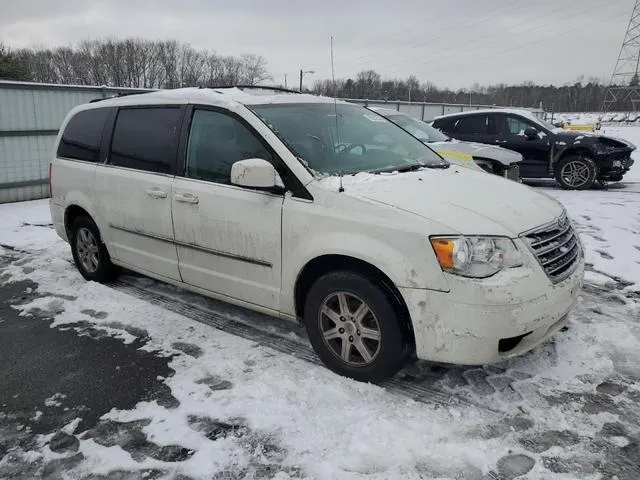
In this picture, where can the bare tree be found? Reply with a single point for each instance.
(139, 63)
(254, 69)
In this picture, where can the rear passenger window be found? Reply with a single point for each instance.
(82, 135)
(146, 139)
(472, 124)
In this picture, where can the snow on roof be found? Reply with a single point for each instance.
(517, 111)
(227, 97)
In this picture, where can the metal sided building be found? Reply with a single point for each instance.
(30, 116)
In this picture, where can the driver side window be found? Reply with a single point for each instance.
(216, 142)
(516, 125)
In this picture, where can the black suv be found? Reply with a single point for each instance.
(577, 160)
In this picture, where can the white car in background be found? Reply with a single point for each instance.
(492, 159)
(318, 212)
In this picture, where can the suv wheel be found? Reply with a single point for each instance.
(354, 328)
(576, 173)
(89, 253)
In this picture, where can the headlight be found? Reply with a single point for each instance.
(476, 257)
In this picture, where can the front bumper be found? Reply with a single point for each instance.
(614, 166)
(490, 320)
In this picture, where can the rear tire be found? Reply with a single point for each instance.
(353, 327)
(576, 172)
(89, 253)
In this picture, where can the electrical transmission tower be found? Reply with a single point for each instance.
(623, 93)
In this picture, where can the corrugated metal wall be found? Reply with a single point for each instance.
(422, 111)
(428, 111)
(30, 116)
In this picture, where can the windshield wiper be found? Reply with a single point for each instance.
(411, 167)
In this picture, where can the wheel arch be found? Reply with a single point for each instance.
(74, 211)
(571, 151)
(324, 264)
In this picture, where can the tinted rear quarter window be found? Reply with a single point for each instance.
(445, 124)
(82, 135)
(146, 139)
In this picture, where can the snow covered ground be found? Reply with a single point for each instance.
(570, 409)
(593, 117)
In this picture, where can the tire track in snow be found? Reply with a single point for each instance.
(419, 391)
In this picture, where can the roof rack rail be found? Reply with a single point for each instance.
(119, 94)
(258, 87)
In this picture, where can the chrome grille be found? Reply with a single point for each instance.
(556, 247)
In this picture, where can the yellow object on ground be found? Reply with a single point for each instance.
(582, 128)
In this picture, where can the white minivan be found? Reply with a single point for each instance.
(320, 212)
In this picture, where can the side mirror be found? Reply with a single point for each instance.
(530, 133)
(256, 173)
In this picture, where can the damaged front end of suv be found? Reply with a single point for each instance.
(573, 152)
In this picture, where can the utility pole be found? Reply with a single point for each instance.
(624, 87)
(302, 72)
(285, 80)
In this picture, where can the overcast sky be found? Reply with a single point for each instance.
(452, 43)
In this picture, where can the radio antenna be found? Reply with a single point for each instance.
(335, 109)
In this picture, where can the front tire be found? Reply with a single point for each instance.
(89, 253)
(576, 172)
(354, 328)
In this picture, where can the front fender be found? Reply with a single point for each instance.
(418, 270)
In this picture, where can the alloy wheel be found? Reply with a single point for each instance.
(575, 174)
(87, 249)
(350, 329)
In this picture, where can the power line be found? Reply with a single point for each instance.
(455, 64)
(465, 51)
(456, 22)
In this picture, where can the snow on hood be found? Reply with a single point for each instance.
(491, 152)
(469, 202)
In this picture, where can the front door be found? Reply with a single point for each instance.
(535, 151)
(228, 237)
(133, 189)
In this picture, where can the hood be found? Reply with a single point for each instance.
(573, 137)
(469, 202)
(481, 150)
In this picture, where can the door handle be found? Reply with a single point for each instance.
(186, 198)
(501, 141)
(156, 193)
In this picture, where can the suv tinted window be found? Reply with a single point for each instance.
(445, 124)
(146, 139)
(217, 141)
(472, 124)
(83, 134)
(513, 125)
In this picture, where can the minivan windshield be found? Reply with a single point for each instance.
(357, 140)
(419, 129)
